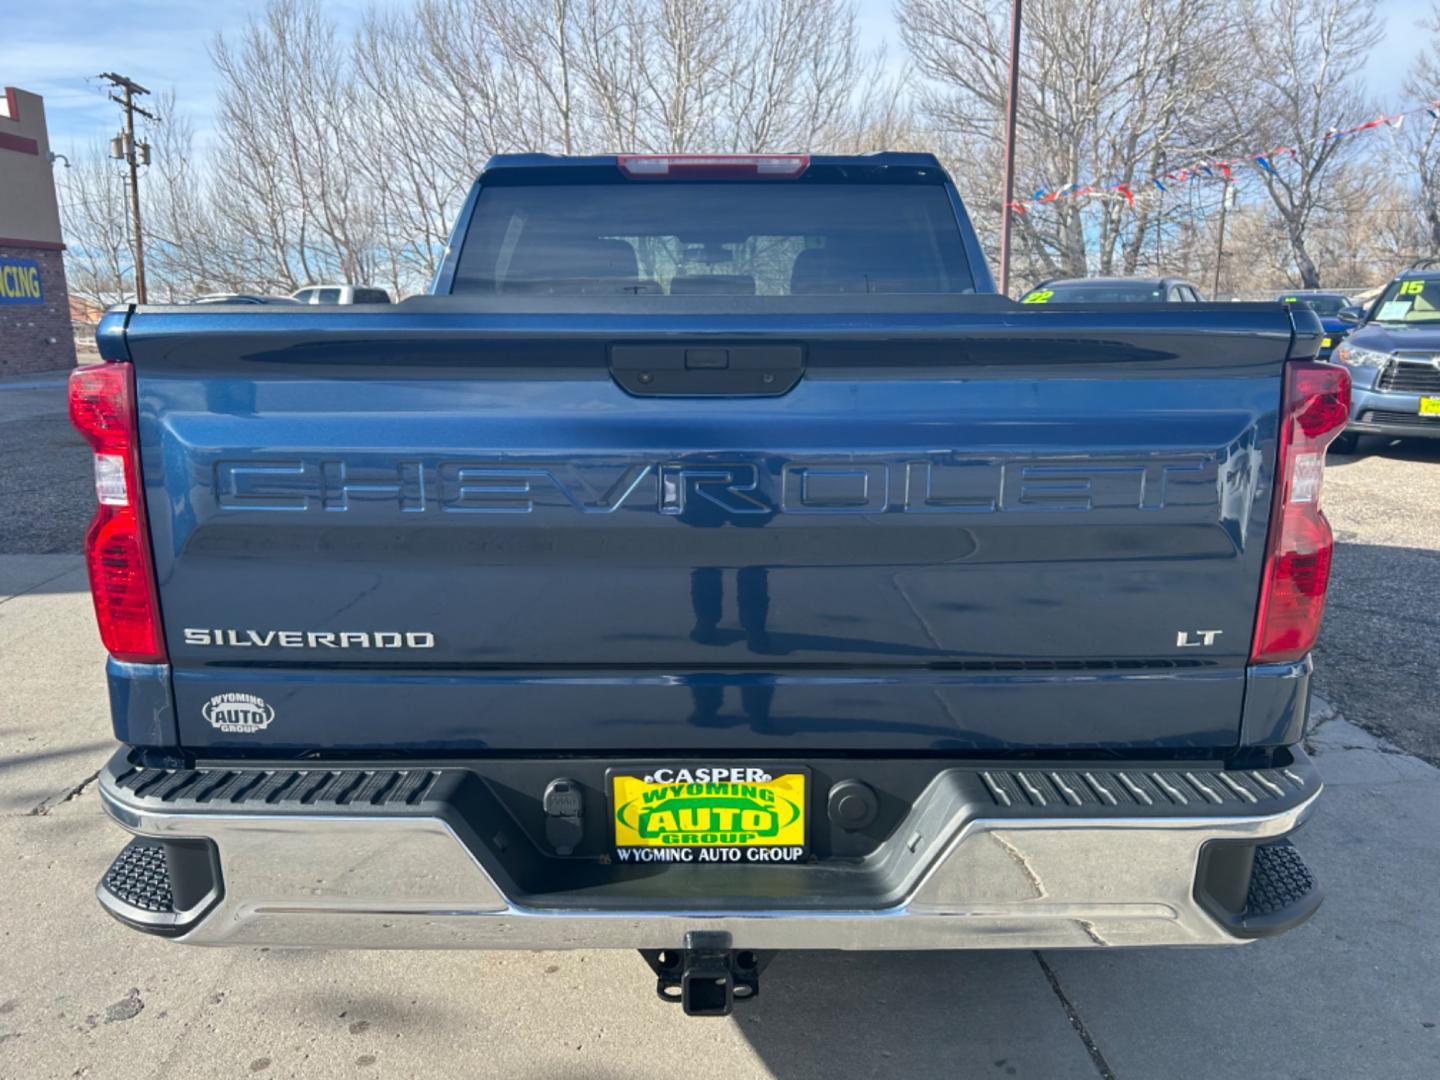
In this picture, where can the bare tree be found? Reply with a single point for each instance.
(99, 261)
(1421, 145)
(293, 127)
(1106, 90)
(789, 81)
(352, 161)
(348, 155)
(1301, 85)
(190, 248)
(428, 85)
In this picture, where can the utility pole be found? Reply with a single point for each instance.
(1012, 96)
(1160, 219)
(1220, 246)
(133, 153)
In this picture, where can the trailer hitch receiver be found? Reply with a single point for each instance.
(707, 976)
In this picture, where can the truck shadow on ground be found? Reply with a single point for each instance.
(956, 1014)
(22, 761)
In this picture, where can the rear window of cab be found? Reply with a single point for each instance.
(761, 238)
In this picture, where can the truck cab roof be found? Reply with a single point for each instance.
(883, 158)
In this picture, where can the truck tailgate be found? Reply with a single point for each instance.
(437, 530)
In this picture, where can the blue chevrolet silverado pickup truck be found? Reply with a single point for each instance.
(712, 565)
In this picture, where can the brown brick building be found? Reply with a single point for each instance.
(35, 329)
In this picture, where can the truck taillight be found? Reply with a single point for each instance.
(117, 545)
(1315, 408)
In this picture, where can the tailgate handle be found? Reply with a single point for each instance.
(695, 370)
(707, 358)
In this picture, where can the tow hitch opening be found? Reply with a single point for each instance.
(707, 976)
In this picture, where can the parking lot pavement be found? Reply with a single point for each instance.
(45, 485)
(1350, 994)
(1378, 651)
(53, 737)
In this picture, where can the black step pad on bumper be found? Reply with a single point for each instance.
(1279, 882)
(1279, 891)
(139, 878)
(1282, 894)
(161, 886)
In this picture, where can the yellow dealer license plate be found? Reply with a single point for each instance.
(710, 814)
(1430, 406)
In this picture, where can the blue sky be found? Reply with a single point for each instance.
(162, 44)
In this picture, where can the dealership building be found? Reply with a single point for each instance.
(35, 327)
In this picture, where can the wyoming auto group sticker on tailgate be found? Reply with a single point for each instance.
(709, 815)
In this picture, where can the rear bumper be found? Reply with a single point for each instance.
(984, 858)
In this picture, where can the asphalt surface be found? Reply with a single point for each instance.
(46, 490)
(1353, 993)
(1377, 654)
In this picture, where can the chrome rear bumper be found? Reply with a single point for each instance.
(1069, 879)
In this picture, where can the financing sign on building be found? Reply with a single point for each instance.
(20, 281)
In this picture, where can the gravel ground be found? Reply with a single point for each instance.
(45, 485)
(1382, 615)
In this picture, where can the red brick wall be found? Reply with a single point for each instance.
(37, 337)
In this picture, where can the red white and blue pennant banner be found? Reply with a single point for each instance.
(1264, 160)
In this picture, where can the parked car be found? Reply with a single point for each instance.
(715, 565)
(1326, 305)
(1113, 290)
(240, 298)
(1393, 354)
(340, 294)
